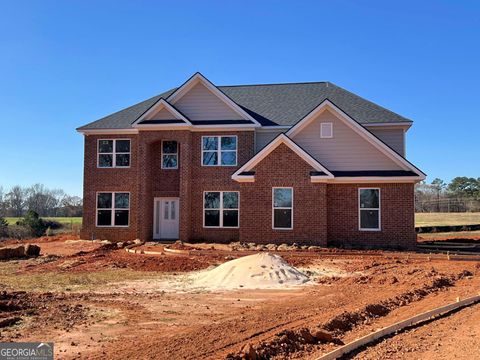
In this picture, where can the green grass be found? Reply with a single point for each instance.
(446, 219)
(451, 235)
(66, 221)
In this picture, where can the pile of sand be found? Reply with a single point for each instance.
(259, 271)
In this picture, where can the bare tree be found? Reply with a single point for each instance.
(16, 200)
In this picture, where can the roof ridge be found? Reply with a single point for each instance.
(286, 83)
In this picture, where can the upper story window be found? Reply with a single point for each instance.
(369, 209)
(219, 150)
(326, 130)
(169, 155)
(114, 153)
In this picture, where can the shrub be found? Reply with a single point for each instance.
(52, 224)
(34, 223)
(18, 232)
(3, 228)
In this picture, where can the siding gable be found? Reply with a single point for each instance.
(199, 103)
(162, 114)
(395, 138)
(347, 150)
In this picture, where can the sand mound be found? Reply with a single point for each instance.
(259, 271)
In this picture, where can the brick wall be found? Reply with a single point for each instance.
(397, 216)
(321, 211)
(215, 178)
(108, 180)
(283, 168)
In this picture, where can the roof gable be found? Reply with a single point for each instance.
(360, 132)
(161, 113)
(244, 172)
(200, 100)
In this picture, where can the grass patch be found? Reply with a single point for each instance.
(58, 281)
(61, 220)
(446, 219)
(450, 235)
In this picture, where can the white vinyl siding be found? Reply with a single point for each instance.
(347, 150)
(262, 138)
(163, 114)
(395, 138)
(201, 104)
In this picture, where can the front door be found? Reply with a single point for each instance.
(166, 219)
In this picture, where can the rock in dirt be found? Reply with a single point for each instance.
(258, 271)
(12, 252)
(32, 250)
(323, 336)
(9, 321)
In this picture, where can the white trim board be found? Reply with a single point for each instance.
(262, 154)
(199, 78)
(160, 104)
(359, 129)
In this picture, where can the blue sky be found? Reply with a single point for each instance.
(66, 63)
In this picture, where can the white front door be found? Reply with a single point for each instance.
(165, 218)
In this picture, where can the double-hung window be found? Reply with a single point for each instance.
(113, 153)
(219, 150)
(113, 208)
(369, 209)
(282, 203)
(221, 209)
(169, 155)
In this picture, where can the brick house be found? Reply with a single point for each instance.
(309, 163)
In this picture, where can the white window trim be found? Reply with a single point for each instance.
(112, 209)
(221, 209)
(282, 207)
(219, 150)
(379, 209)
(113, 153)
(176, 154)
(322, 124)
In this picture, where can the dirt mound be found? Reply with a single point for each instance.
(284, 343)
(262, 270)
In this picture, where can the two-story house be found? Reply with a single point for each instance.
(309, 163)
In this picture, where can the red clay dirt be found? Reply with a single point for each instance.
(366, 290)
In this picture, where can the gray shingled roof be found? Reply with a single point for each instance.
(272, 104)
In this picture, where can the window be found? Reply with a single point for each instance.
(326, 130)
(113, 208)
(169, 155)
(220, 209)
(219, 150)
(282, 199)
(369, 209)
(114, 153)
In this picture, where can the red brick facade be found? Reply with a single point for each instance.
(323, 214)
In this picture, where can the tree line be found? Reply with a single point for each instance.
(459, 195)
(18, 200)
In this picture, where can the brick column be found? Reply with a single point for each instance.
(185, 164)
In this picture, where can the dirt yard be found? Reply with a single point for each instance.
(98, 301)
